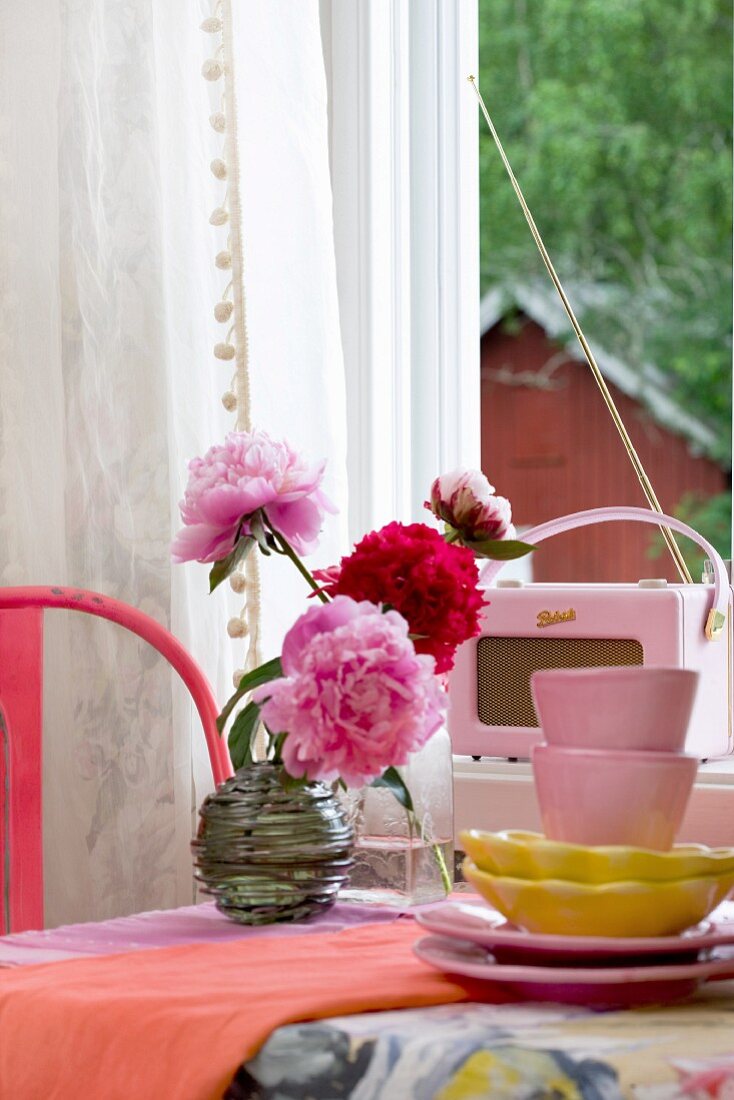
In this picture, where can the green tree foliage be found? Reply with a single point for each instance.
(616, 117)
(711, 517)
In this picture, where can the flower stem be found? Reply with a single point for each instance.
(443, 869)
(437, 853)
(289, 552)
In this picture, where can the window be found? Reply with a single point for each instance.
(618, 126)
(617, 121)
(405, 171)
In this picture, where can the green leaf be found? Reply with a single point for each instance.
(499, 549)
(277, 740)
(263, 674)
(258, 531)
(291, 782)
(242, 735)
(222, 569)
(393, 780)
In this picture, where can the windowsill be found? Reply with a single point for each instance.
(713, 772)
(497, 794)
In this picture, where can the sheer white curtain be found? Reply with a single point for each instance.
(108, 385)
(297, 372)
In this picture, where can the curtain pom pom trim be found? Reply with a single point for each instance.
(224, 351)
(212, 69)
(223, 311)
(231, 308)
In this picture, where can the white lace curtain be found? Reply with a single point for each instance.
(108, 385)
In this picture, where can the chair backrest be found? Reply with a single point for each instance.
(21, 691)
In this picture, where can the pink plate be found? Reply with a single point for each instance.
(602, 987)
(479, 924)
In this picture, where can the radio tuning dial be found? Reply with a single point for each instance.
(510, 582)
(653, 582)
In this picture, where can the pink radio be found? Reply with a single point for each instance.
(534, 626)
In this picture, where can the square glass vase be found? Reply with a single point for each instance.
(402, 859)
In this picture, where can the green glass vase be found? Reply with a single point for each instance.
(268, 854)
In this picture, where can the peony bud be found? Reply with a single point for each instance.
(465, 500)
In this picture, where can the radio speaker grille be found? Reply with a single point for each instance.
(504, 667)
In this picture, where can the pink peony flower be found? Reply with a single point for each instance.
(356, 698)
(248, 472)
(467, 502)
(320, 619)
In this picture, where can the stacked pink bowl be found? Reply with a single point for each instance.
(613, 784)
(611, 770)
(604, 909)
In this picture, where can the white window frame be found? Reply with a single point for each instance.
(406, 184)
(405, 176)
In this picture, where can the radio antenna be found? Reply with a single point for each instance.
(644, 480)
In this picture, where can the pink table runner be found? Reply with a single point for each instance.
(169, 928)
(191, 924)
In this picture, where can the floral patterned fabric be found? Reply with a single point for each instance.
(507, 1052)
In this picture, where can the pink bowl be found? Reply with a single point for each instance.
(602, 796)
(615, 708)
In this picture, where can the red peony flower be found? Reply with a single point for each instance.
(432, 583)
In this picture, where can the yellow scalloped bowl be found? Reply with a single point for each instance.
(530, 855)
(605, 909)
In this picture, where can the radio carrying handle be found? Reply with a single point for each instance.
(717, 615)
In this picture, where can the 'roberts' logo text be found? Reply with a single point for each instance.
(550, 618)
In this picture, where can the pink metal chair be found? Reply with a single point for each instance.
(21, 684)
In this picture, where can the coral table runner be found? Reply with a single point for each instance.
(177, 1022)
